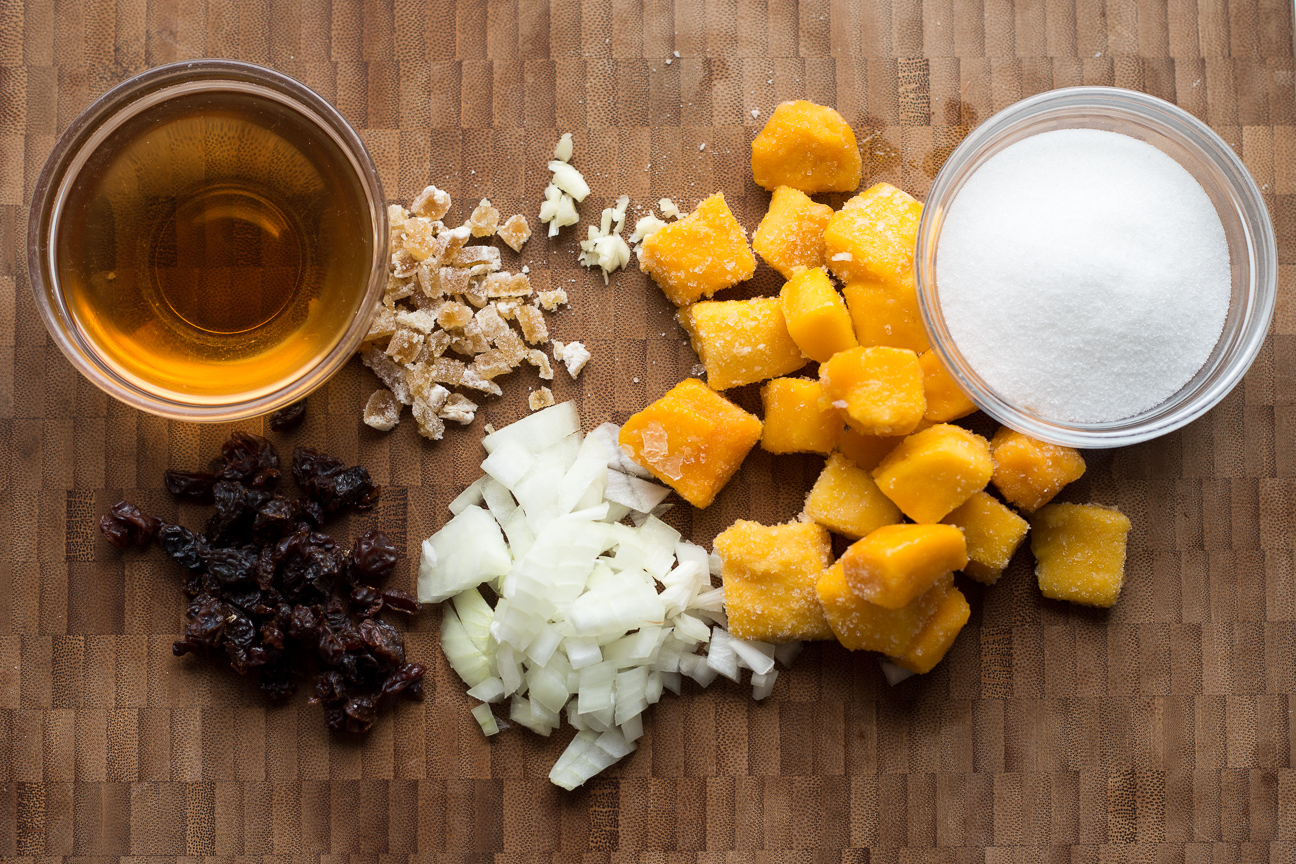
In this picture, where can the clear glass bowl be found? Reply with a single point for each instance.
(298, 140)
(1247, 228)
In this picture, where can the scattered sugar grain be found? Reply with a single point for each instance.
(1084, 274)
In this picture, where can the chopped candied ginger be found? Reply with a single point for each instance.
(550, 300)
(469, 257)
(540, 360)
(542, 398)
(484, 219)
(1029, 472)
(453, 316)
(791, 235)
(1080, 552)
(432, 203)
(692, 439)
(515, 232)
(769, 575)
(534, 329)
(741, 341)
(405, 345)
(698, 255)
(458, 408)
(873, 235)
(382, 411)
(807, 147)
(573, 355)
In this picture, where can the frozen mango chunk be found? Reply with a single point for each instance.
(816, 316)
(692, 439)
(795, 422)
(791, 235)
(769, 575)
(878, 389)
(741, 341)
(1080, 552)
(846, 500)
(886, 313)
(894, 564)
(945, 400)
(698, 255)
(1029, 472)
(873, 235)
(866, 451)
(993, 533)
(808, 147)
(938, 634)
(933, 471)
(863, 626)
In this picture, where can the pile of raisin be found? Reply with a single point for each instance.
(268, 589)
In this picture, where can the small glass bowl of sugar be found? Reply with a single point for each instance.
(1095, 267)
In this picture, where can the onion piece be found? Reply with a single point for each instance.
(486, 719)
(466, 552)
(489, 690)
(465, 659)
(537, 431)
(471, 495)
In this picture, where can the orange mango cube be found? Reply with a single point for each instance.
(993, 533)
(808, 147)
(698, 255)
(794, 420)
(741, 341)
(1029, 472)
(863, 626)
(791, 235)
(873, 235)
(866, 451)
(879, 390)
(692, 439)
(895, 564)
(769, 575)
(816, 316)
(846, 500)
(945, 400)
(938, 634)
(1080, 552)
(933, 471)
(886, 313)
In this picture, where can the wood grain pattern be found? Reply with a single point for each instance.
(1161, 731)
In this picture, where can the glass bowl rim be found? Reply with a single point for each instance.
(1247, 202)
(68, 156)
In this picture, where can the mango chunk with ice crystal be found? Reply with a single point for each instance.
(692, 439)
(1080, 552)
(791, 235)
(1029, 472)
(698, 255)
(945, 400)
(741, 341)
(863, 626)
(939, 633)
(933, 471)
(993, 533)
(873, 235)
(879, 390)
(808, 147)
(769, 575)
(886, 313)
(895, 564)
(846, 500)
(866, 451)
(794, 420)
(816, 316)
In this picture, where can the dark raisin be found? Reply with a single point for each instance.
(196, 485)
(373, 557)
(383, 640)
(366, 600)
(276, 517)
(288, 417)
(126, 526)
(187, 548)
(400, 601)
(403, 678)
(361, 713)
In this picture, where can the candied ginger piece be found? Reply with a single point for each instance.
(455, 280)
(418, 320)
(382, 411)
(551, 300)
(430, 426)
(808, 147)
(491, 324)
(454, 315)
(388, 371)
(533, 325)
(700, 254)
(574, 355)
(539, 360)
(511, 344)
(396, 217)
(431, 202)
(405, 345)
(446, 370)
(484, 219)
(459, 409)
(384, 324)
(470, 256)
(515, 231)
(473, 380)
(541, 398)
(491, 364)
(507, 285)
(507, 309)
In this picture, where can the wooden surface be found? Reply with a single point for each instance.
(1161, 730)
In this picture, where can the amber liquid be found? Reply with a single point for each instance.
(214, 246)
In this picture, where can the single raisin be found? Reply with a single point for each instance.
(373, 557)
(288, 417)
(196, 485)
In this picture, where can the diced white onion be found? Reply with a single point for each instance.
(486, 719)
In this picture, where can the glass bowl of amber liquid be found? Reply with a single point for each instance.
(207, 240)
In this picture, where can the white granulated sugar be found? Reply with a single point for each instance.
(1083, 274)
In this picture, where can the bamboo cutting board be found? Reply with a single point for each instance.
(1159, 731)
